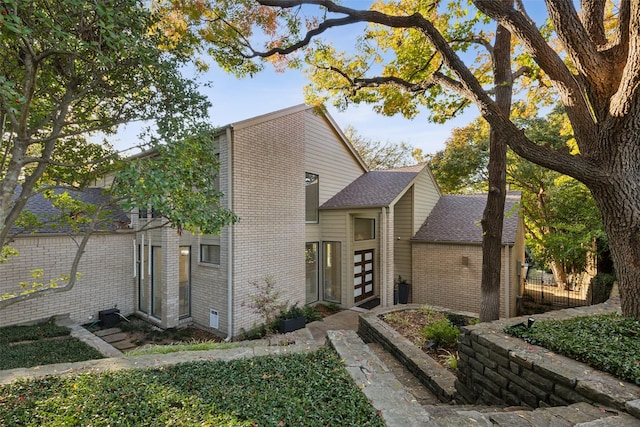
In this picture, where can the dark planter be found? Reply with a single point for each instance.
(403, 293)
(109, 318)
(290, 325)
(395, 297)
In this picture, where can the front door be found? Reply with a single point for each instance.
(362, 274)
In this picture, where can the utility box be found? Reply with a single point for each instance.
(109, 318)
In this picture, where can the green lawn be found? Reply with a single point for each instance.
(311, 389)
(42, 344)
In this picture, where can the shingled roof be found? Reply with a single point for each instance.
(456, 219)
(374, 189)
(46, 212)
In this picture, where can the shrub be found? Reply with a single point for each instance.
(311, 313)
(265, 302)
(600, 288)
(292, 312)
(441, 332)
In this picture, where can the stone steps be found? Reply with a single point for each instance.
(399, 404)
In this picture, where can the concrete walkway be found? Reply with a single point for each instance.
(395, 403)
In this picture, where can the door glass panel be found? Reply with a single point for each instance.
(184, 272)
(156, 281)
(311, 262)
(357, 258)
(143, 278)
(332, 271)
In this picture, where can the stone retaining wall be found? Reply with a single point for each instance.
(496, 369)
(430, 373)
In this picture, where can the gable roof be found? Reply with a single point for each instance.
(315, 109)
(456, 219)
(374, 189)
(44, 210)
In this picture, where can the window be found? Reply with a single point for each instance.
(312, 197)
(332, 271)
(311, 263)
(144, 213)
(143, 278)
(210, 254)
(184, 274)
(156, 281)
(364, 229)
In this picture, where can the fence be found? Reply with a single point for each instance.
(540, 288)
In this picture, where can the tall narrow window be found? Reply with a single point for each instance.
(156, 281)
(312, 197)
(311, 262)
(332, 271)
(184, 272)
(143, 278)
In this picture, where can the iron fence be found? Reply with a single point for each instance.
(542, 290)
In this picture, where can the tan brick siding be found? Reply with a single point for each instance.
(268, 196)
(440, 278)
(107, 277)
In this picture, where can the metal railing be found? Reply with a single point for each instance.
(542, 290)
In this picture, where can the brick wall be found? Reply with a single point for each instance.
(107, 277)
(268, 196)
(450, 275)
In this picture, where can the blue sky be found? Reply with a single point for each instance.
(235, 99)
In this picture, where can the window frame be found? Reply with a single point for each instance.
(316, 196)
(201, 257)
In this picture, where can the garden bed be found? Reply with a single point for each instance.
(41, 344)
(426, 369)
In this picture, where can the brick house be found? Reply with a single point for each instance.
(312, 216)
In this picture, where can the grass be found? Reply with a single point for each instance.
(607, 342)
(41, 344)
(310, 389)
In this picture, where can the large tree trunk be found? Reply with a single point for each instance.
(493, 216)
(619, 202)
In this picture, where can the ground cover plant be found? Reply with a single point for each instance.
(310, 389)
(607, 342)
(41, 344)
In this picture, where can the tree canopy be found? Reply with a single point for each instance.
(561, 219)
(413, 53)
(71, 70)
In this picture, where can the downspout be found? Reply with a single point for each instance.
(229, 238)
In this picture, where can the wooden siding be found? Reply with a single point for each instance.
(327, 156)
(403, 221)
(426, 194)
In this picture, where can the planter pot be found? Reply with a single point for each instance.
(290, 325)
(403, 293)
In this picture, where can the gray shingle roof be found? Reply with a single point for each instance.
(373, 189)
(456, 219)
(46, 212)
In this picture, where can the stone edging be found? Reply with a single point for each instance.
(497, 369)
(430, 373)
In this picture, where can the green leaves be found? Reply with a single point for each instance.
(607, 342)
(178, 180)
(297, 389)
